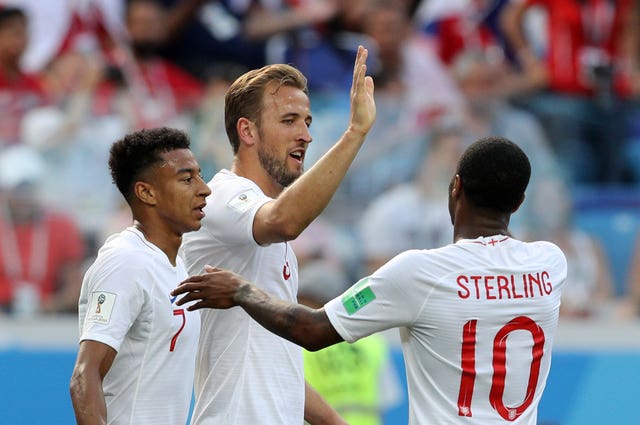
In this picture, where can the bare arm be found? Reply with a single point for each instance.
(263, 23)
(533, 68)
(224, 289)
(180, 15)
(316, 409)
(630, 47)
(299, 204)
(93, 362)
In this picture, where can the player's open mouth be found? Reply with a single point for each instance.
(298, 155)
(200, 210)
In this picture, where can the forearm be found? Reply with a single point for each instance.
(511, 24)
(317, 411)
(180, 14)
(265, 24)
(297, 323)
(88, 400)
(304, 201)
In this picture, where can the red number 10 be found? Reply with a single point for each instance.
(468, 363)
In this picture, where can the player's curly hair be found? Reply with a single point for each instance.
(245, 96)
(8, 13)
(134, 154)
(494, 173)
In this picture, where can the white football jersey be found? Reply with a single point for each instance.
(125, 303)
(477, 320)
(244, 373)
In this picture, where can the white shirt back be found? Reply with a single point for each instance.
(477, 320)
(125, 303)
(244, 373)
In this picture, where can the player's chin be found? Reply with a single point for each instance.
(194, 224)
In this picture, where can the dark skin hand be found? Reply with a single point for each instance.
(223, 289)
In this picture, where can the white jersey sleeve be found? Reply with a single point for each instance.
(114, 301)
(381, 301)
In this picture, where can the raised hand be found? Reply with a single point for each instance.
(363, 105)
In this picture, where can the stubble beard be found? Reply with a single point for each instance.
(277, 169)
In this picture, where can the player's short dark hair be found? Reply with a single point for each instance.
(494, 173)
(134, 154)
(10, 12)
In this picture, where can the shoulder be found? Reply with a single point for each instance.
(233, 192)
(124, 250)
(228, 184)
(546, 252)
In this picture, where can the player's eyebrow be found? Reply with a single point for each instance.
(308, 119)
(188, 170)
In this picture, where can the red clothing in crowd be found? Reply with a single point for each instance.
(36, 253)
(158, 89)
(17, 97)
(583, 32)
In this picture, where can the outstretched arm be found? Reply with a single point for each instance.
(300, 203)
(224, 289)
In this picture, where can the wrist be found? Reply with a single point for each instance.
(356, 132)
(243, 292)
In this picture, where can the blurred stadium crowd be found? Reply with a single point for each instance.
(559, 77)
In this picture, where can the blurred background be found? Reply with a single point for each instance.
(559, 77)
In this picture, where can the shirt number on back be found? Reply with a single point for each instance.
(174, 339)
(468, 364)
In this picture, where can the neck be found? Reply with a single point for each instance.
(259, 176)
(481, 225)
(169, 243)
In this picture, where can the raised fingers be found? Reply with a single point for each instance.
(360, 67)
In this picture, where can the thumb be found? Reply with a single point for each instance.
(209, 269)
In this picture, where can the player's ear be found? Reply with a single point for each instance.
(519, 204)
(247, 131)
(455, 187)
(145, 192)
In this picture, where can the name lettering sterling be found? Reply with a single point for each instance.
(499, 287)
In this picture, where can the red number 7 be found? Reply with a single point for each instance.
(178, 312)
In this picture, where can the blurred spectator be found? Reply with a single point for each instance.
(414, 215)
(356, 379)
(152, 90)
(322, 48)
(324, 241)
(460, 25)
(209, 141)
(215, 32)
(59, 27)
(583, 80)
(589, 288)
(486, 82)
(413, 89)
(41, 251)
(19, 91)
(408, 67)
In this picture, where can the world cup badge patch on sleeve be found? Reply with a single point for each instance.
(358, 296)
(243, 201)
(100, 307)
